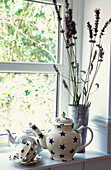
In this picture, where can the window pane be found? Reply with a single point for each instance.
(28, 31)
(26, 98)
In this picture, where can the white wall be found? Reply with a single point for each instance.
(100, 99)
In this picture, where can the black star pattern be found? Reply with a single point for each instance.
(72, 125)
(62, 124)
(75, 139)
(67, 118)
(41, 136)
(71, 151)
(32, 149)
(58, 119)
(52, 152)
(61, 155)
(58, 126)
(14, 157)
(62, 147)
(62, 133)
(22, 150)
(34, 127)
(27, 153)
(51, 141)
(38, 141)
(64, 160)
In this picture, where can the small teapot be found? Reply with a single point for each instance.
(17, 141)
(63, 140)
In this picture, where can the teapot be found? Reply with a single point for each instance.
(63, 140)
(17, 141)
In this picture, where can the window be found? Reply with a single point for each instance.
(28, 32)
(29, 45)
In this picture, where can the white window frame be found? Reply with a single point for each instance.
(29, 67)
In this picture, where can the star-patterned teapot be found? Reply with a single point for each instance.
(63, 140)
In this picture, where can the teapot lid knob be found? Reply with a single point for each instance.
(63, 120)
(63, 114)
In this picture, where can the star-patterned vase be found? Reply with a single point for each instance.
(63, 140)
(80, 116)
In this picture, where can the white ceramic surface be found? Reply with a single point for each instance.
(63, 140)
(15, 158)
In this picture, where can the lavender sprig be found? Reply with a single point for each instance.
(56, 69)
(70, 28)
(101, 53)
(92, 62)
(95, 58)
(67, 4)
(89, 26)
(65, 84)
(66, 87)
(57, 10)
(97, 16)
(104, 28)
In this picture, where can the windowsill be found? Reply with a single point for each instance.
(46, 162)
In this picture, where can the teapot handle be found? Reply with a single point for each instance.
(79, 130)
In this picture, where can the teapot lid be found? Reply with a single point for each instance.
(63, 120)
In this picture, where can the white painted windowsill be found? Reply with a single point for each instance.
(46, 162)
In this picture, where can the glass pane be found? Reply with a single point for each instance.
(28, 31)
(26, 98)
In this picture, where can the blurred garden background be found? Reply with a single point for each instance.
(28, 33)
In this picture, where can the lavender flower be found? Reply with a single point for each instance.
(86, 80)
(57, 10)
(89, 26)
(67, 4)
(74, 32)
(94, 56)
(62, 31)
(67, 32)
(56, 69)
(70, 26)
(104, 27)
(65, 84)
(97, 16)
(101, 52)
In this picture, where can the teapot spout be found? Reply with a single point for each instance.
(41, 138)
(11, 139)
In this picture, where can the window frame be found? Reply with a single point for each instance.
(34, 67)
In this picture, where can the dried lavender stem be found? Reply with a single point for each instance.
(95, 73)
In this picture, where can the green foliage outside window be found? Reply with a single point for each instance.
(28, 33)
(26, 98)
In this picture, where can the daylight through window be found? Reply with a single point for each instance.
(28, 35)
